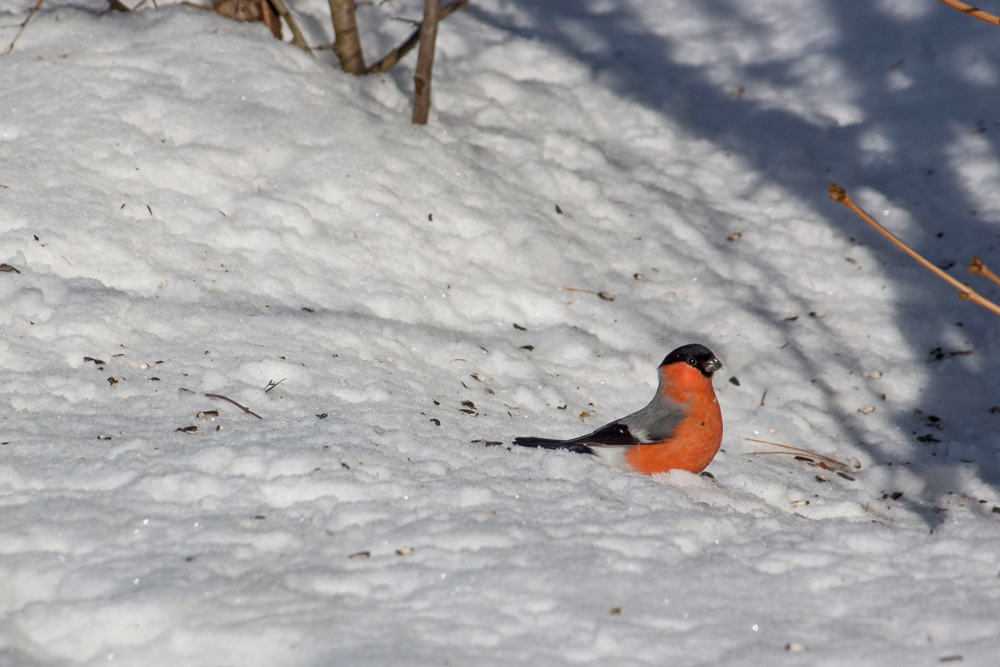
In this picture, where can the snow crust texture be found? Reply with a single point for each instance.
(191, 210)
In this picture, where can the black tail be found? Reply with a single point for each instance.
(546, 443)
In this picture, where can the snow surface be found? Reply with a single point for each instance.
(199, 208)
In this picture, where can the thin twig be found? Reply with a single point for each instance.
(271, 19)
(411, 42)
(839, 194)
(979, 267)
(271, 384)
(23, 26)
(974, 12)
(794, 450)
(297, 38)
(243, 408)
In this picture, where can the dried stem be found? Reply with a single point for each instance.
(839, 194)
(24, 25)
(974, 12)
(347, 44)
(425, 62)
(979, 267)
(795, 450)
(297, 38)
(271, 384)
(411, 42)
(241, 407)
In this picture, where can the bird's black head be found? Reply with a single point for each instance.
(695, 355)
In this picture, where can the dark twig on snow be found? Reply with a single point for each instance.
(229, 400)
(271, 384)
(24, 25)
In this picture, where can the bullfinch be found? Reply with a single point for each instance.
(681, 428)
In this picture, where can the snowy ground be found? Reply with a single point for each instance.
(198, 208)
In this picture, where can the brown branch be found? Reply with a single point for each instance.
(119, 6)
(271, 384)
(297, 38)
(839, 194)
(974, 12)
(411, 42)
(24, 25)
(347, 44)
(979, 267)
(229, 400)
(425, 62)
(270, 19)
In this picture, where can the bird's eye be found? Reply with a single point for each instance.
(693, 362)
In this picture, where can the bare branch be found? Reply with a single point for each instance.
(411, 42)
(425, 62)
(270, 19)
(974, 12)
(24, 25)
(297, 38)
(241, 407)
(839, 194)
(795, 450)
(979, 267)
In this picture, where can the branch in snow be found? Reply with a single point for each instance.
(411, 42)
(23, 26)
(297, 38)
(243, 408)
(839, 194)
(979, 268)
(425, 62)
(974, 12)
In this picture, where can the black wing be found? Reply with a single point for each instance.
(546, 443)
(615, 434)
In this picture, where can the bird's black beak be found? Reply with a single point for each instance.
(711, 366)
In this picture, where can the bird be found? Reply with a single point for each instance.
(680, 429)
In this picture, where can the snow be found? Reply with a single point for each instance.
(185, 192)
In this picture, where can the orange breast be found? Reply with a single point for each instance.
(696, 440)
